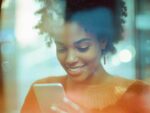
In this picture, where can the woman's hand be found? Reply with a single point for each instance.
(67, 107)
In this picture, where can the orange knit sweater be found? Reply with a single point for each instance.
(101, 98)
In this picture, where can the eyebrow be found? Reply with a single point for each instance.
(82, 40)
(77, 42)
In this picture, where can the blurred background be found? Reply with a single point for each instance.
(25, 57)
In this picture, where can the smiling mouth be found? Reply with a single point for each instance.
(75, 70)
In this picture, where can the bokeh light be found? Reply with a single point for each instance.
(125, 55)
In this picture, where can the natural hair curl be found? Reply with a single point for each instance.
(66, 8)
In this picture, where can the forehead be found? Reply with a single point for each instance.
(72, 32)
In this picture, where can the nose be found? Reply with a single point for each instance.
(71, 58)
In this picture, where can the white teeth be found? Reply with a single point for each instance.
(74, 69)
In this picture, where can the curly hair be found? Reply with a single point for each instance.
(118, 8)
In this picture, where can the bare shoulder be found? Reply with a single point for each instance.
(51, 79)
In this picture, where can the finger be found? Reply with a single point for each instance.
(73, 106)
(57, 110)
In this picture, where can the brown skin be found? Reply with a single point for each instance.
(79, 53)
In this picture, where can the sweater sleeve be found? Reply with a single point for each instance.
(30, 105)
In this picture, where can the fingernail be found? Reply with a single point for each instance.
(66, 99)
(72, 104)
(53, 108)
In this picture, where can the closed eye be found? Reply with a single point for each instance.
(83, 49)
(84, 44)
(61, 49)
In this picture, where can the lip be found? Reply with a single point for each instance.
(76, 70)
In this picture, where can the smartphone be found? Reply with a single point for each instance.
(48, 95)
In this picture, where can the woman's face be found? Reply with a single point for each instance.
(78, 52)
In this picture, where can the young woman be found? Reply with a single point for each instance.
(91, 28)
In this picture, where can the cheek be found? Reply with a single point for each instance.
(92, 58)
(93, 54)
(60, 58)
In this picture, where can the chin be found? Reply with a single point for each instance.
(80, 78)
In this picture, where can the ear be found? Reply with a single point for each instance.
(103, 44)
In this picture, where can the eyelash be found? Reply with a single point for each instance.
(83, 49)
